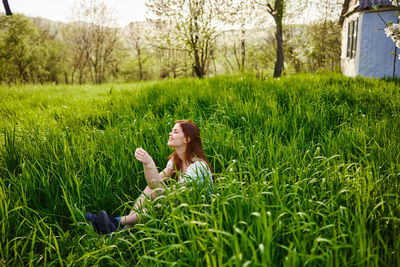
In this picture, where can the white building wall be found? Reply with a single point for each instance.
(375, 48)
(348, 65)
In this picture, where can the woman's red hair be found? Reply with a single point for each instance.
(194, 149)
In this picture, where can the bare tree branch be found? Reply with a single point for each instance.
(7, 8)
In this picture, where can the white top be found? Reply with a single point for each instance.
(198, 171)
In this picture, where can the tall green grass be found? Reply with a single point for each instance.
(307, 172)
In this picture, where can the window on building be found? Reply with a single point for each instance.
(352, 38)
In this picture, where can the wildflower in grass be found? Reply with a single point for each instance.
(187, 165)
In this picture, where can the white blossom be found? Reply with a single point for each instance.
(393, 31)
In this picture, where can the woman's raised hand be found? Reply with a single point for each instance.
(142, 156)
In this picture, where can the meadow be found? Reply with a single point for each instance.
(306, 172)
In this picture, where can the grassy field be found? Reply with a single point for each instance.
(307, 172)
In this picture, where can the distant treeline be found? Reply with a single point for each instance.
(35, 50)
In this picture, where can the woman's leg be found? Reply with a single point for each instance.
(133, 216)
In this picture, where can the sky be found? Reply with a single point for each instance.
(126, 11)
(61, 10)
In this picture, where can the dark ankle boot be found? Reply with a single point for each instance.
(90, 217)
(103, 223)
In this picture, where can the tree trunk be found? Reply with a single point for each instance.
(80, 77)
(395, 56)
(90, 67)
(22, 73)
(213, 61)
(139, 61)
(240, 52)
(323, 43)
(198, 69)
(243, 46)
(227, 60)
(279, 46)
(278, 16)
(235, 52)
(7, 8)
(66, 77)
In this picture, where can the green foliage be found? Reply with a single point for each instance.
(190, 26)
(19, 53)
(314, 47)
(326, 43)
(35, 50)
(30, 53)
(306, 172)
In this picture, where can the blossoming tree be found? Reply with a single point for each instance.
(392, 29)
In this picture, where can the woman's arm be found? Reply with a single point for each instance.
(153, 178)
(150, 168)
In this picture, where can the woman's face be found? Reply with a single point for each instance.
(177, 137)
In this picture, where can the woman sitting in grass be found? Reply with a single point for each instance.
(187, 165)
